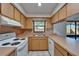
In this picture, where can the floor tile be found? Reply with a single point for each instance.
(38, 53)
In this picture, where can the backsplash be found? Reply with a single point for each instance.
(4, 36)
(4, 29)
(60, 29)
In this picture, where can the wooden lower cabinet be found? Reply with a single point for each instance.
(58, 50)
(37, 43)
(57, 53)
(13, 53)
(44, 44)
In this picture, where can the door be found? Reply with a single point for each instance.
(17, 15)
(7, 9)
(43, 44)
(35, 44)
(23, 22)
(29, 44)
(62, 13)
(29, 23)
(57, 53)
(55, 18)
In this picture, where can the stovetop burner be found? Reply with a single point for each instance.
(5, 43)
(22, 39)
(15, 43)
(15, 39)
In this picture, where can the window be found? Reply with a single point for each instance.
(39, 26)
(77, 28)
(72, 29)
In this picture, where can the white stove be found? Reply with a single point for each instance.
(10, 40)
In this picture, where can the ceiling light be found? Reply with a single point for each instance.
(39, 4)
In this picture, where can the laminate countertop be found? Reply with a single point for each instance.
(6, 51)
(69, 44)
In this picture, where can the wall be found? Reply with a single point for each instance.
(60, 29)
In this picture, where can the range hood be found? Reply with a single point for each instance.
(8, 22)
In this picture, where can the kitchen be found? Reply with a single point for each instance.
(39, 29)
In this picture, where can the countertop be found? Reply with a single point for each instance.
(69, 44)
(6, 51)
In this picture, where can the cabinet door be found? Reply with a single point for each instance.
(52, 19)
(63, 51)
(29, 44)
(43, 44)
(17, 15)
(57, 53)
(7, 9)
(62, 13)
(48, 23)
(55, 18)
(72, 8)
(35, 44)
(29, 23)
(23, 20)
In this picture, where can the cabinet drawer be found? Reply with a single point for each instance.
(64, 52)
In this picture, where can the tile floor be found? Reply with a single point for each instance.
(38, 53)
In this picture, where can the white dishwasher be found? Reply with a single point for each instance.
(51, 46)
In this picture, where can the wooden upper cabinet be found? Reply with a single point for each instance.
(23, 21)
(29, 23)
(7, 9)
(62, 13)
(48, 23)
(52, 19)
(55, 18)
(17, 15)
(72, 8)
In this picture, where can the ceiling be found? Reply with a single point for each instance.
(33, 10)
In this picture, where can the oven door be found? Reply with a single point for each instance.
(22, 50)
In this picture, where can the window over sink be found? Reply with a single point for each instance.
(39, 25)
